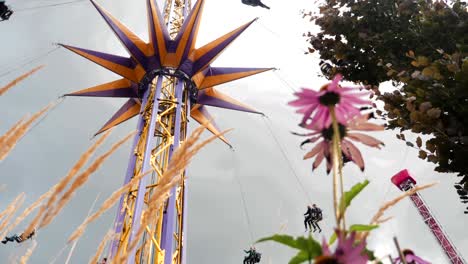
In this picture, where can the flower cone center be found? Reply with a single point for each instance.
(327, 133)
(329, 99)
(326, 260)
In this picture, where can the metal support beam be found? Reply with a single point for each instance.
(121, 211)
(146, 166)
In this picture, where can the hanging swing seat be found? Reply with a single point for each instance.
(5, 11)
(255, 3)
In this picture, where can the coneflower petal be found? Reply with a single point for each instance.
(365, 139)
(315, 150)
(355, 153)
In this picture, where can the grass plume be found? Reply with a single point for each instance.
(8, 213)
(82, 178)
(100, 248)
(106, 205)
(170, 178)
(10, 85)
(60, 186)
(378, 217)
(28, 211)
(11, 131)
(73, 171)
(24, 259)
(10, 142)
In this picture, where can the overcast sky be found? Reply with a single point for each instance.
(217, 228)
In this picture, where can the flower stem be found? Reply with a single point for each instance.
(337, 170)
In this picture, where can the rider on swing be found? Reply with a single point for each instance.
(316, 217)
(5, 11)
(19, 239)
(255, 3)
(308, 218)
(312, 217)
(253, 257)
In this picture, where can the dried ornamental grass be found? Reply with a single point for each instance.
(11, 132)
(100, 248)
(81, 179)
(9, 212)
(106, 205)
(10, 85)
(377, 218)
(170, 178)
(73, 171)
(28, 211)
(24, 259)
(10, 142)
(60, 186)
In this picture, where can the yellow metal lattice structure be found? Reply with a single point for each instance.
(149, 250)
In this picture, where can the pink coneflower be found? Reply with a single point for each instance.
(411, 258)
(315, 105)
(347, 133)
(347, 251)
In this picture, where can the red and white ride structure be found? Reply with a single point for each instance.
(405, 182)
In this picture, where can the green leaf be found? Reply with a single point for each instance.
(356, 228)
(410, 54)
(309, 245)
(402, 136)
(282, 239)
(453, 67)
(370, 254)
(422, 61)
(419, 142)
(432, 158)
(428, 72)
(332, 239)
(362, 228)
(301, 257)
(351, 194)
(422, 154)
(430, 146)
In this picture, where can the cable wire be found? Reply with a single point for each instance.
(286, 158)
(244, 203)
(285, 82)
(34, 59)
(72, 249)
(46, 6)
(280, 37)
(59, 101)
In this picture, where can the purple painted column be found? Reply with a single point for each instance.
(185, 207)
(118, 222)
(139, 201)
(167, 241)
(186, 9)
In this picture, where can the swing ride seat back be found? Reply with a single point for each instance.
(5, 11)
(403, 179)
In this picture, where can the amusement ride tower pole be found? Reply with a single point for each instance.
(166, 80)
(405, 182)
(163, 120)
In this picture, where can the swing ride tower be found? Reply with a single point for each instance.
(405, 183)
(166, 81)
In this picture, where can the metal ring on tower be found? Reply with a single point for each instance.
(149, 76)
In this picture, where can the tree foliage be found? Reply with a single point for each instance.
(419, 45)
